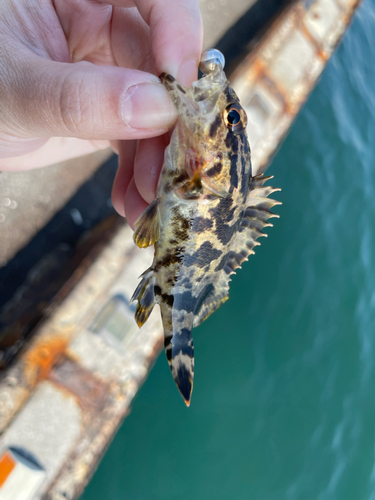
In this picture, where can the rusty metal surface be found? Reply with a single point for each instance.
(91, 392)
(276, 78)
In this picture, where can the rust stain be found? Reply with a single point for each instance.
(258, 67)
(318, 45)
(40, 359)
(90, 391)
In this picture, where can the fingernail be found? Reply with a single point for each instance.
(147, 106)
(187, 73)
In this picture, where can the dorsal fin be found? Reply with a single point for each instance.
(255, 218)
(214, 300)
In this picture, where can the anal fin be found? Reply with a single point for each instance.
(147, 226)
(145, 295)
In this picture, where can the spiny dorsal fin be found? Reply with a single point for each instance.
(145, 295)
(254, 220)
(147, 226)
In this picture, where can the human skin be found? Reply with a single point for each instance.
(80, 75)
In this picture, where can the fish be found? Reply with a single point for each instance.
(206, 218)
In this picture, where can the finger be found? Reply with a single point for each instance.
(130, 40)
(134, 204)
(147, 165)
(47, 98)
(115, 145)
(114, 36)
(127, 151)
(87, 30)
(55, 150)
(176, 35)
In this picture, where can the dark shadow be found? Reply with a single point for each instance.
(37, 275)
(84, 210)
(242, 36)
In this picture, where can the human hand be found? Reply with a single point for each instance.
(82, 72)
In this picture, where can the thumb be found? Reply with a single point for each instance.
(48, 98)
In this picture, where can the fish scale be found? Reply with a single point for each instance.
(208, 213)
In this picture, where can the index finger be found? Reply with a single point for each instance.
(176, 35)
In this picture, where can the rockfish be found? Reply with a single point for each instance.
(207, 215)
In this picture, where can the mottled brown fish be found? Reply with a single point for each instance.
(207, 215)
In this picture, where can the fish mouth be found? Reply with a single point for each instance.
(208, 89)
(179, 95)
(201, 97)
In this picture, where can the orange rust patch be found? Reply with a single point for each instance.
(7, 464)
(40, 359)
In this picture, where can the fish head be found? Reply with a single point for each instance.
(209, 130)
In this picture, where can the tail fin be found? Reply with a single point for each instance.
(179, 348)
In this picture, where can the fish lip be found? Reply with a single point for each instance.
(214, 83)
(166, 77)
(203, 94)
(175, 90)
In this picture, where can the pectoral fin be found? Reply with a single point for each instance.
(147, 226)
(213, 187)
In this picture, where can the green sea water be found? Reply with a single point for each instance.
(283, 406)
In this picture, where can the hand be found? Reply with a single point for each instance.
(82, 72)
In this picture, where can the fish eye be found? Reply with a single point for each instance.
(235, 118)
